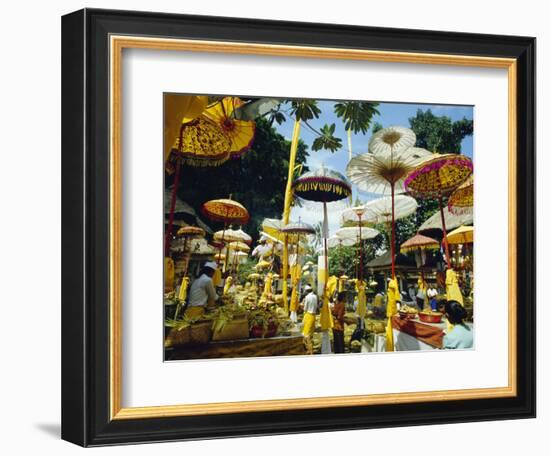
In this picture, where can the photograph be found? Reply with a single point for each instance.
(315, 227)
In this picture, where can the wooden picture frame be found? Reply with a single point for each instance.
(92, 43)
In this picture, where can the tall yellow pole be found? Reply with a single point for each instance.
(288, 200)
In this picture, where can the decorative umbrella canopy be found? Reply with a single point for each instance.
(179, 109)
(353, 233)
(322, 185)
(391, 139)
(244, 237)
(383, 170)
(225, 210)
(299, 228)
(354, 214)
(190, 232)
(240, 132)
(203, 143)
(462, 197)
(451, 220)
(439, 175)
(219, 256)
(231, 235)
(462, 235)
(418, 241)
(226, 235)
(335, 241)
(376, 173)
(254, 276)
(238, 246)
(380, 210)
(272, 229)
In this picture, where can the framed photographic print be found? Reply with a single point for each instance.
(274, 227)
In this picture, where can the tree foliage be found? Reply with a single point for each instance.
(257, 179)
(327, 140)
(345, 260)
(357, 115)
(440, 133)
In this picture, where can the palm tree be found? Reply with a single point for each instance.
(357, 116)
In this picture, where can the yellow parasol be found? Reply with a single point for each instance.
(238, 246)
(462, 235)
(178, 110)
(240, 132)
(462, 197)
(219, 256)
(227, 236)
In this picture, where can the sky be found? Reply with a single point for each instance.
(391, 114)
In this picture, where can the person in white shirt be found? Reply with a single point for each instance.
(202, 292)
(431, 293)
(310, 304)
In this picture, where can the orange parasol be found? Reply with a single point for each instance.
(226, 211)
(418, 241)
(240, 132)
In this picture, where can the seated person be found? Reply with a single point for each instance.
(202, 292)
(462, 335)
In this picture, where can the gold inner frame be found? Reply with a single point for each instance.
(117, 44)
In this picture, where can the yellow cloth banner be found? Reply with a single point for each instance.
(217, 278)
(182, 295)
(331, 285)
(360, 286)
(288, 201)
(391, 310)
(326, 316)
(453, 290)
(294, 299)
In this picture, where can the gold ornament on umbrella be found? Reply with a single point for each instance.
(240, 132)
(462, 198)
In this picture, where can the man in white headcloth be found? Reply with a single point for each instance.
(202, 292)
(262, 249)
